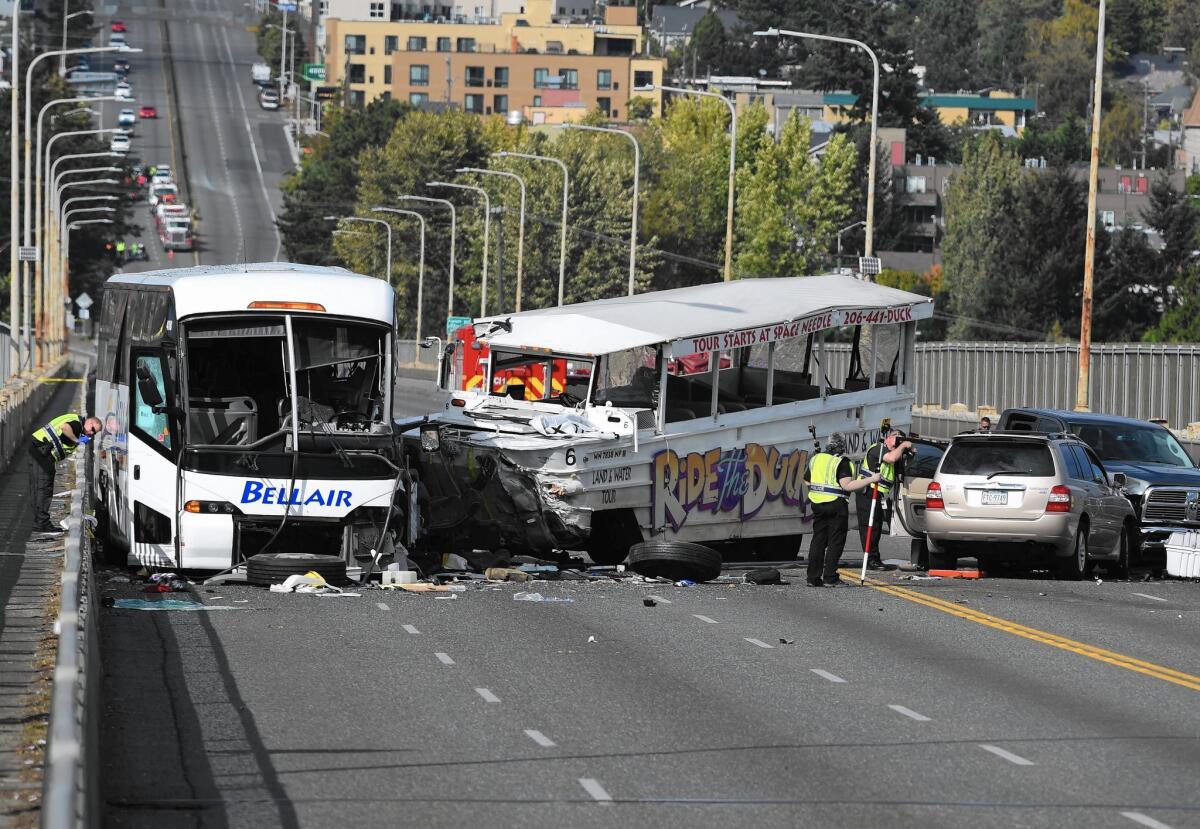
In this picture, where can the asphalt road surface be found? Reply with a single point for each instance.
(230, 154)
(1005, 702)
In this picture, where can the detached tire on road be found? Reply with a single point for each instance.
(274, 568)
(674, 560)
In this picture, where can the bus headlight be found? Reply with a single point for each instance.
(211, 508)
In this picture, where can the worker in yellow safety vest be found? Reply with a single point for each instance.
(881, 458)
(830, 479)
(48, 445)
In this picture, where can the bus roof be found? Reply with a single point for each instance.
(213, 289)
(709, 317)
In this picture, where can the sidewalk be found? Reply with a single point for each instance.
(29, 581)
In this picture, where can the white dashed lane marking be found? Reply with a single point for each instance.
(487, 695)
(1015, 759)
(1145, 820)
(539, 738)
(1153, 599)
(382, 605)
(760, 643)
(593, 788)
(827, 675)
(705, 619)
(410, 629)
(444, 658)
(908, 712)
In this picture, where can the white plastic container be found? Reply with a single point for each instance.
(1183, 555)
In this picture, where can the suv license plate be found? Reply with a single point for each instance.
(1000, 498)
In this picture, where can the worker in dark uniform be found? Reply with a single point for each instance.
(830, 478)
(48, 445)
(881, 458)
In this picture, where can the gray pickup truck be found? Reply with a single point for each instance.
(1162, 480)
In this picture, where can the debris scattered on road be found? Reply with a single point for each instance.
(592, 640)
(685, 583)
(787, 641)
(649, 603)
(524, 596)
(764, 575)
(507, 574)
(957, 574)
(920, 578)
(310, 582)
(165, 604)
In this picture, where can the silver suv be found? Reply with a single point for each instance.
(1022, 498)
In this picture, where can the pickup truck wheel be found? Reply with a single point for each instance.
(1076, 566)
(674, 560)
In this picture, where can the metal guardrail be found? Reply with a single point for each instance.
(20, 403)
(1138, 380)
(69, 795)
(409, 353)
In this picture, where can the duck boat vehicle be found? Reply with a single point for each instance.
(682, 415)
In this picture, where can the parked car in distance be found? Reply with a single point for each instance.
(268, 99)
(121, 66)
(260, 73)
(118, 26)
(126, 118)
(120, 143)
(123, 91)
(1025, 498)
(117, 39)
(1162, 481)
(163, 191)
(915, 473)
(147, 112)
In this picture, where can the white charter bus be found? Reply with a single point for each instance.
(246, 409)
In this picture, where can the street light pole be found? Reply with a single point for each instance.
(387, 274)
(732, 164)
(62, 55)
(637, 164)
(421, 259)
(453, 236)
(839, 238)
(521, 227)
(66, 248)
(869, 246)
(52, 282)
(1082, 391)
(562, 242)
(487, 223)
(14, 204)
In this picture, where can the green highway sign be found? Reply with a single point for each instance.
(314, 71)
(455, 323)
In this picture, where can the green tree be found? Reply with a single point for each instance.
(1181, 322)
(946, 43)
(326, 183)
(1137, 25)
(705, 50)
(1121, 132)
(1062, 58)
(1183, 28)
(791, 206)
(640, 108)
(269, 41)
(1176, 218)
(1122, 309)
(1004, 39)
(979, 202)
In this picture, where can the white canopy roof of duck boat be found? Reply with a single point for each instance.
(706, 318)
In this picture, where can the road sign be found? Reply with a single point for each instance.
(286, 7)
(326, 93)
(314, 71)
(27, 253)
(84, 301)
(455, 323)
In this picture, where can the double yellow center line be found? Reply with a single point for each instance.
(1119, 660)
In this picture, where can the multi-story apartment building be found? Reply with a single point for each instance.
(550, 58)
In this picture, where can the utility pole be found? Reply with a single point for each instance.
(1089, 257)
(500, 260)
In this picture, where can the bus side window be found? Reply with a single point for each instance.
(150, 398)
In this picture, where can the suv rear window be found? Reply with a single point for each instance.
(1011, 457)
